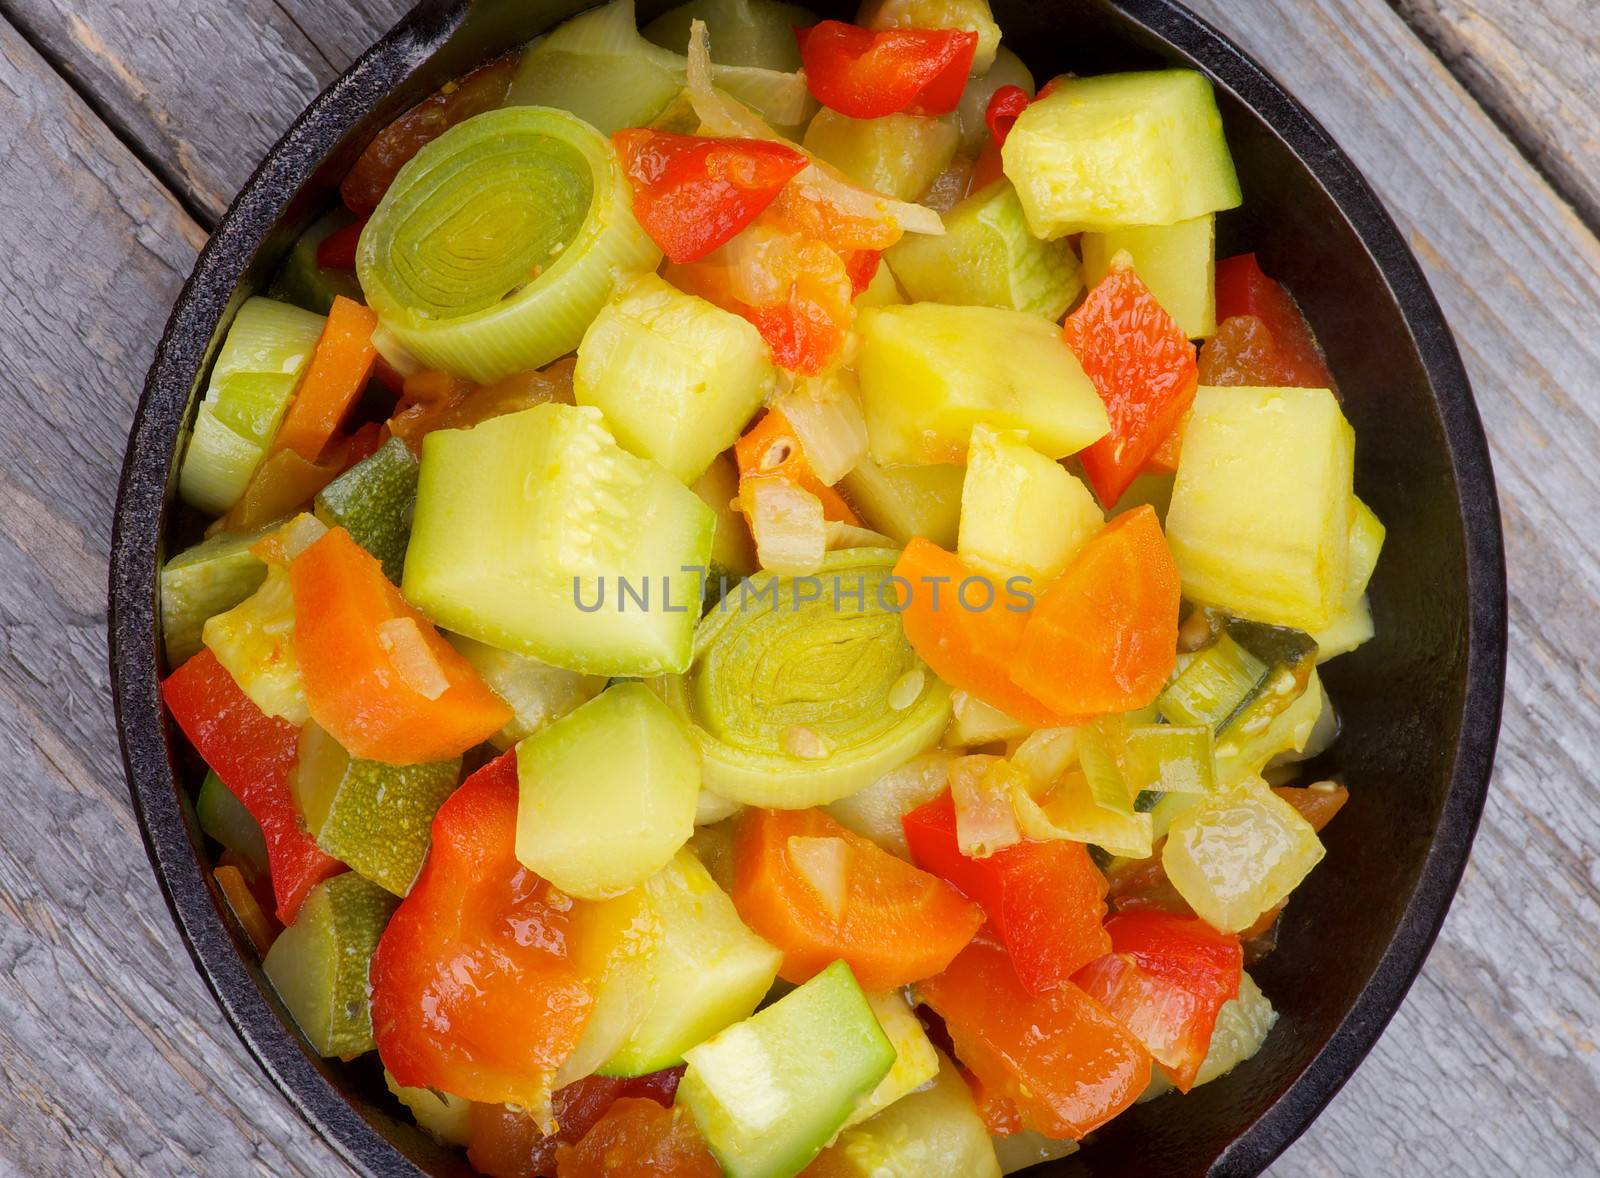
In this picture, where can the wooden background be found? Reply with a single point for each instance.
(128, 124)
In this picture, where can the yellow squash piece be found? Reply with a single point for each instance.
(1353, 624)
(1022, 513)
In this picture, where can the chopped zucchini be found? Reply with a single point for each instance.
(706, 970)
(203, 581)
(934, 1132)
(372, 816)
(974, 16)
(929, 373)
(1177, 262)
(876, 811)
(1007, 70)
(264, 355)
(757, 33)
(974, 723)
(535, 532)
(899, 154)
(677, 378)
(907, 501)
(1352, 625)
(373, 501)
(301, 281)
(447, 1119)
(254, 641)
(1261, 510)
(224, 818)
(1115, 150)
(318, 965)
(1242, 1027)
(597, 66)
(768, 1093)
(1021, 513)
(733, 552)
(1236, 854)
(988, 258)
(608, 793)
(915, 1060)
(537, 693)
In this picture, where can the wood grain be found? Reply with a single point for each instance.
(114, 1058)
(1536, 68)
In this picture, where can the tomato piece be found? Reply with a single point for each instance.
(861, 266)
(337, 251)
(771, 449)
(253, 754)
(1104, 636)
(972, 649)
(1066, 1064)
(1045, 900)
(867, 73)
(1005, 105)
(1144, 369)
(691, 194)
(1317, 803)
(1166, 978)
(477, 935)
(639, 1137)
(1241, 354)
(1243, 289)
(378, 676)
(892, 923)
(484, 89)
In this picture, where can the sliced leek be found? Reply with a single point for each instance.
(790, 694)
(498, 243)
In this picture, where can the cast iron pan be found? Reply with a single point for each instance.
(1421, 703)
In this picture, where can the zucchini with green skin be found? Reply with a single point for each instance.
(319, 964)
(203, 581)
(301, 281)
(447, 257)
(373, 501)
(768, 1093)
(1249, 674)
(263, 356)
(804, 690)
(987, 257)
(224, 818)
(373, 817)
(536, 533)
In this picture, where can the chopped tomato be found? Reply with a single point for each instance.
(1045, 900)
(862, 266)
(639, 1137)
(337, 251)
(433, 400)
(1005, 105)
(867, 73)
(1165, 978)
(803, 210)
(1144, 369)
(692, 194)
(1067, 1065)
(1243, 289)
(510, 1143)
(1317, 803)
(1143, 884)
(1104, 636)
(1241, 354)
(970, 649)
(252, 753)
(477, 935)
(822, 893)
(378, 676)
(771, 449)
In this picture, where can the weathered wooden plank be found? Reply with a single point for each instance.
(1491, 1065)
(1536, 67)
(113, 1058)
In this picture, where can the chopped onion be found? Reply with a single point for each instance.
(985, 821)
(826, 414)
(821, 863)
(402, 640)
(1046, 754)
(843, 535)
(788, 527)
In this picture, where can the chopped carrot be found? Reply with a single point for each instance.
(339, 370)
(378, 676)
(1104, 637)
(771, 449)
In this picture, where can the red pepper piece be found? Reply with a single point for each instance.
(1005, 104)
(1166, 978)
(1243, 289)
(478, 935)
(1045, 900)
(867, 74)
(337, 251)
(1144, 369)
(692, 194)
(253, 753)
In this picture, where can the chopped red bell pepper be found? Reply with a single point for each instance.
(1045, 900)
(253, 753)
(1144, 369)
(337, 251)
(477, 935)
(1066, 1064)
(692, 194)
(867, 73)
(1165, 978)
(1005, 104)
(1244, 289)
(997, 1111)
